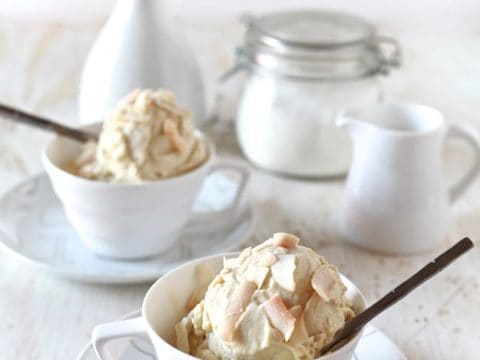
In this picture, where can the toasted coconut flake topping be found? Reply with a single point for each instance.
(296, 311)
(280, 250)
(246, 253)
(283, 271)
(285, 240)
(300, 332)
(279, 316)
(257, 274)
(267, 259)
(239, 301)
(323, 282)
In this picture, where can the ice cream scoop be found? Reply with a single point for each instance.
(147, 137)
(277, 300)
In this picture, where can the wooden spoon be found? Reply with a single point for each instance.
(429, 270)
(46, 124)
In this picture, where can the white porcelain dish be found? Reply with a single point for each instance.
(34, 228)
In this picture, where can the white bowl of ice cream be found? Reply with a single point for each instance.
(130, 195)
(275, 301)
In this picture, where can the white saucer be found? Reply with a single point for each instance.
(34, 228)
(374, 345)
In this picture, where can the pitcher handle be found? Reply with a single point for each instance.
(471, 138)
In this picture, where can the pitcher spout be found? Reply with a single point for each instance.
(349, 123)
(343, 122)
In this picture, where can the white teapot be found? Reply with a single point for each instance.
(396, 198)
(142, 45)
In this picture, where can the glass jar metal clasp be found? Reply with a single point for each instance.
(390, 53)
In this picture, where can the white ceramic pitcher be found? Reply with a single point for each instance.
(396, 198)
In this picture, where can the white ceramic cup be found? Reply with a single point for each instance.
(129, 221)
(165, 304)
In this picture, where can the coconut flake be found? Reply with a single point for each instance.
(257, 274)
(280, 250)
(296, 311)
(279, 316)
(285, 240)
(266, 259)
(300, 333)
(323, 282)
(238, 302)
(283, 272)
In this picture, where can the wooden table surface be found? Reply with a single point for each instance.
(47, 317)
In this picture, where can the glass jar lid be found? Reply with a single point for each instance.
(317, 44)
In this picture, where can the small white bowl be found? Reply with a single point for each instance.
(125, 221)
(165, 304)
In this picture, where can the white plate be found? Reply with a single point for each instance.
(33, 227)
(374, 345)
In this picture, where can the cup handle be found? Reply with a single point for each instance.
(244, 173)
(471, 138)
(102, 334)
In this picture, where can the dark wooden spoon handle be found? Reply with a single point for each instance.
(45, 124)
(402, 290)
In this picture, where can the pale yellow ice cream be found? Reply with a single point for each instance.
(276, 301)
(146, 137)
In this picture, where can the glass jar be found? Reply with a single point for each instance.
(303, 67)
